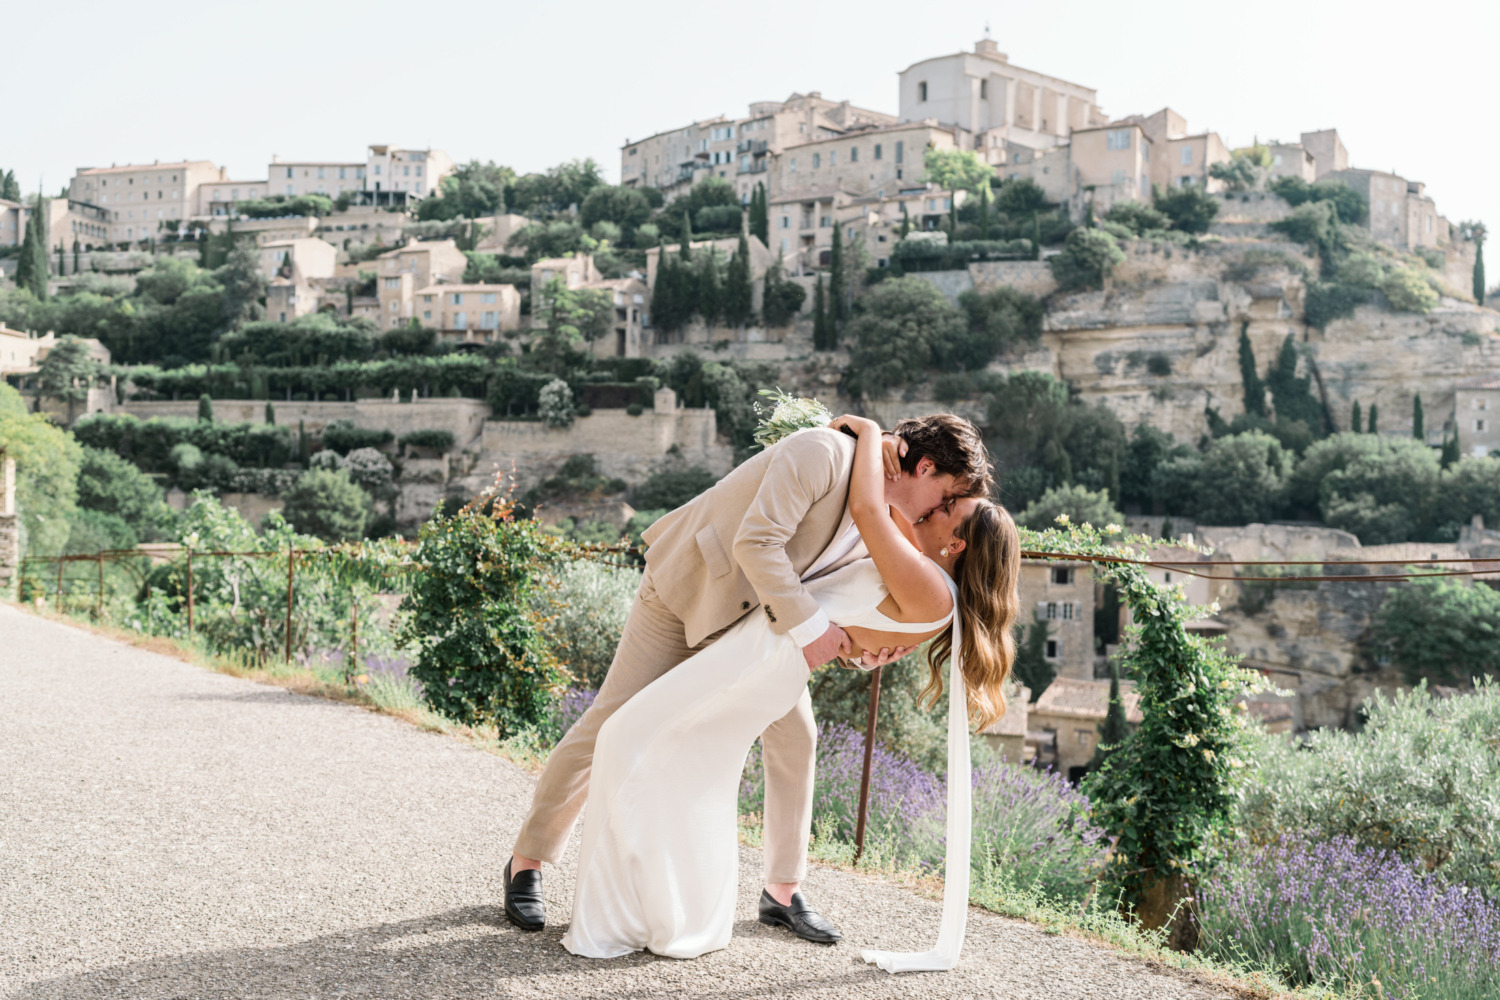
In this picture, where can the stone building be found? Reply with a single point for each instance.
(738, 149)
(468, 314)
(1064, 723)
(139, 198)
(1060, 596)
(400, 272)
(1401, 212)
(993, 103)
(1476, 405)
(1327, 151)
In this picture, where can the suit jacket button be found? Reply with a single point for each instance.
(744, 605)
(769, 614)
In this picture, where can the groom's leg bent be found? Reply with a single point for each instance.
(651, 644)
(789, 748)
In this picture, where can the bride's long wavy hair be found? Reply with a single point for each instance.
(987, 573)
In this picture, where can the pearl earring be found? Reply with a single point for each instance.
(943, 551)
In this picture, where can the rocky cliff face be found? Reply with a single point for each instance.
(1187, 307)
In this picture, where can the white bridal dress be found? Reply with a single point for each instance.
(659, 865)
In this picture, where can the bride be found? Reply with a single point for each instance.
(658, 866)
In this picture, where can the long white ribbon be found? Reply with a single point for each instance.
(960, 829)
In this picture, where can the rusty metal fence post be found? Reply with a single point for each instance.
(864, 778)
(291, 560)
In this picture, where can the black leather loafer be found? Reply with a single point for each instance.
(523, 900)
(799, 918)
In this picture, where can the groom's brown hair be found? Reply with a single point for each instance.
(955, 447)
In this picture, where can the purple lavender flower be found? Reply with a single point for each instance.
(1339, 915)
(1026, 823)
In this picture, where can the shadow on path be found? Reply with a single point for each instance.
(470, 952)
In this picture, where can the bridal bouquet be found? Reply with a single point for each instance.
(790, 414)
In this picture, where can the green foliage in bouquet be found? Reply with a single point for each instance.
(789, 415)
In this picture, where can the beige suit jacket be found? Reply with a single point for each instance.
(748, 541)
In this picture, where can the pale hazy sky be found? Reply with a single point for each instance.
(1408, 86)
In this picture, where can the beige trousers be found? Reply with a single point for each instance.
(654, 642)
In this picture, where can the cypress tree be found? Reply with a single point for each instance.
(984, 210)
(1355, 423)
(685, 247)
(1036, 236)
(205, 409)
(1255, 389)
(905, 221)
(1450, 448)
(820, 318)
(76, 255)
(1479, 272)
(1116, 727)
(737, 297)
(1374, 413)
(62, 261)
(710, 288)
(270, 413)
(43, 236)
(9, 189)
(1418, 421)
(304, 446)
(837, 306)
(31, 266)
(1031, 666)
(760, 214)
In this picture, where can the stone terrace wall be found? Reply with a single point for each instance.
(464, 418)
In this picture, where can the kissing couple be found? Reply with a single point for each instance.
(836, 541)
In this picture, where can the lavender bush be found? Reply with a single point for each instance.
(1347, 917)
(1027, 824)
(1422, 779)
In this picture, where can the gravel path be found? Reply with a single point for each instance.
(166, 831)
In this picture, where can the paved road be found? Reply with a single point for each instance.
(166, 831)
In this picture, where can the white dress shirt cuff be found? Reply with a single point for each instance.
(811, 630)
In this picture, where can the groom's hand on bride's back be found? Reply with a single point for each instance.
(833, 642)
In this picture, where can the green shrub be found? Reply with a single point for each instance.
(897, 329)
(482, 657)
(635, 409)
(1441, 630)
(110, 485)
(91, 530)
(428, 437)
(1314, 224)
(1088, 257)
(1421, 777)
(555, 404)
(1327, 301)
(998, 321)
(327, 504)
(278, 206)
(670, 490)
(588, 603)
(1408, 291)
(1082, 506)
(1191, 209)
(343, 437)
(1384, 492)
(1137, 218)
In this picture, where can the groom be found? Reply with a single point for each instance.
(749, 544)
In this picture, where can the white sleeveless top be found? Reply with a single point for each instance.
(851, 596)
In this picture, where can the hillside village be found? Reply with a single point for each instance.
(1112, 298)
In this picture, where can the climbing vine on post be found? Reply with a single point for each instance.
(1168, 786)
